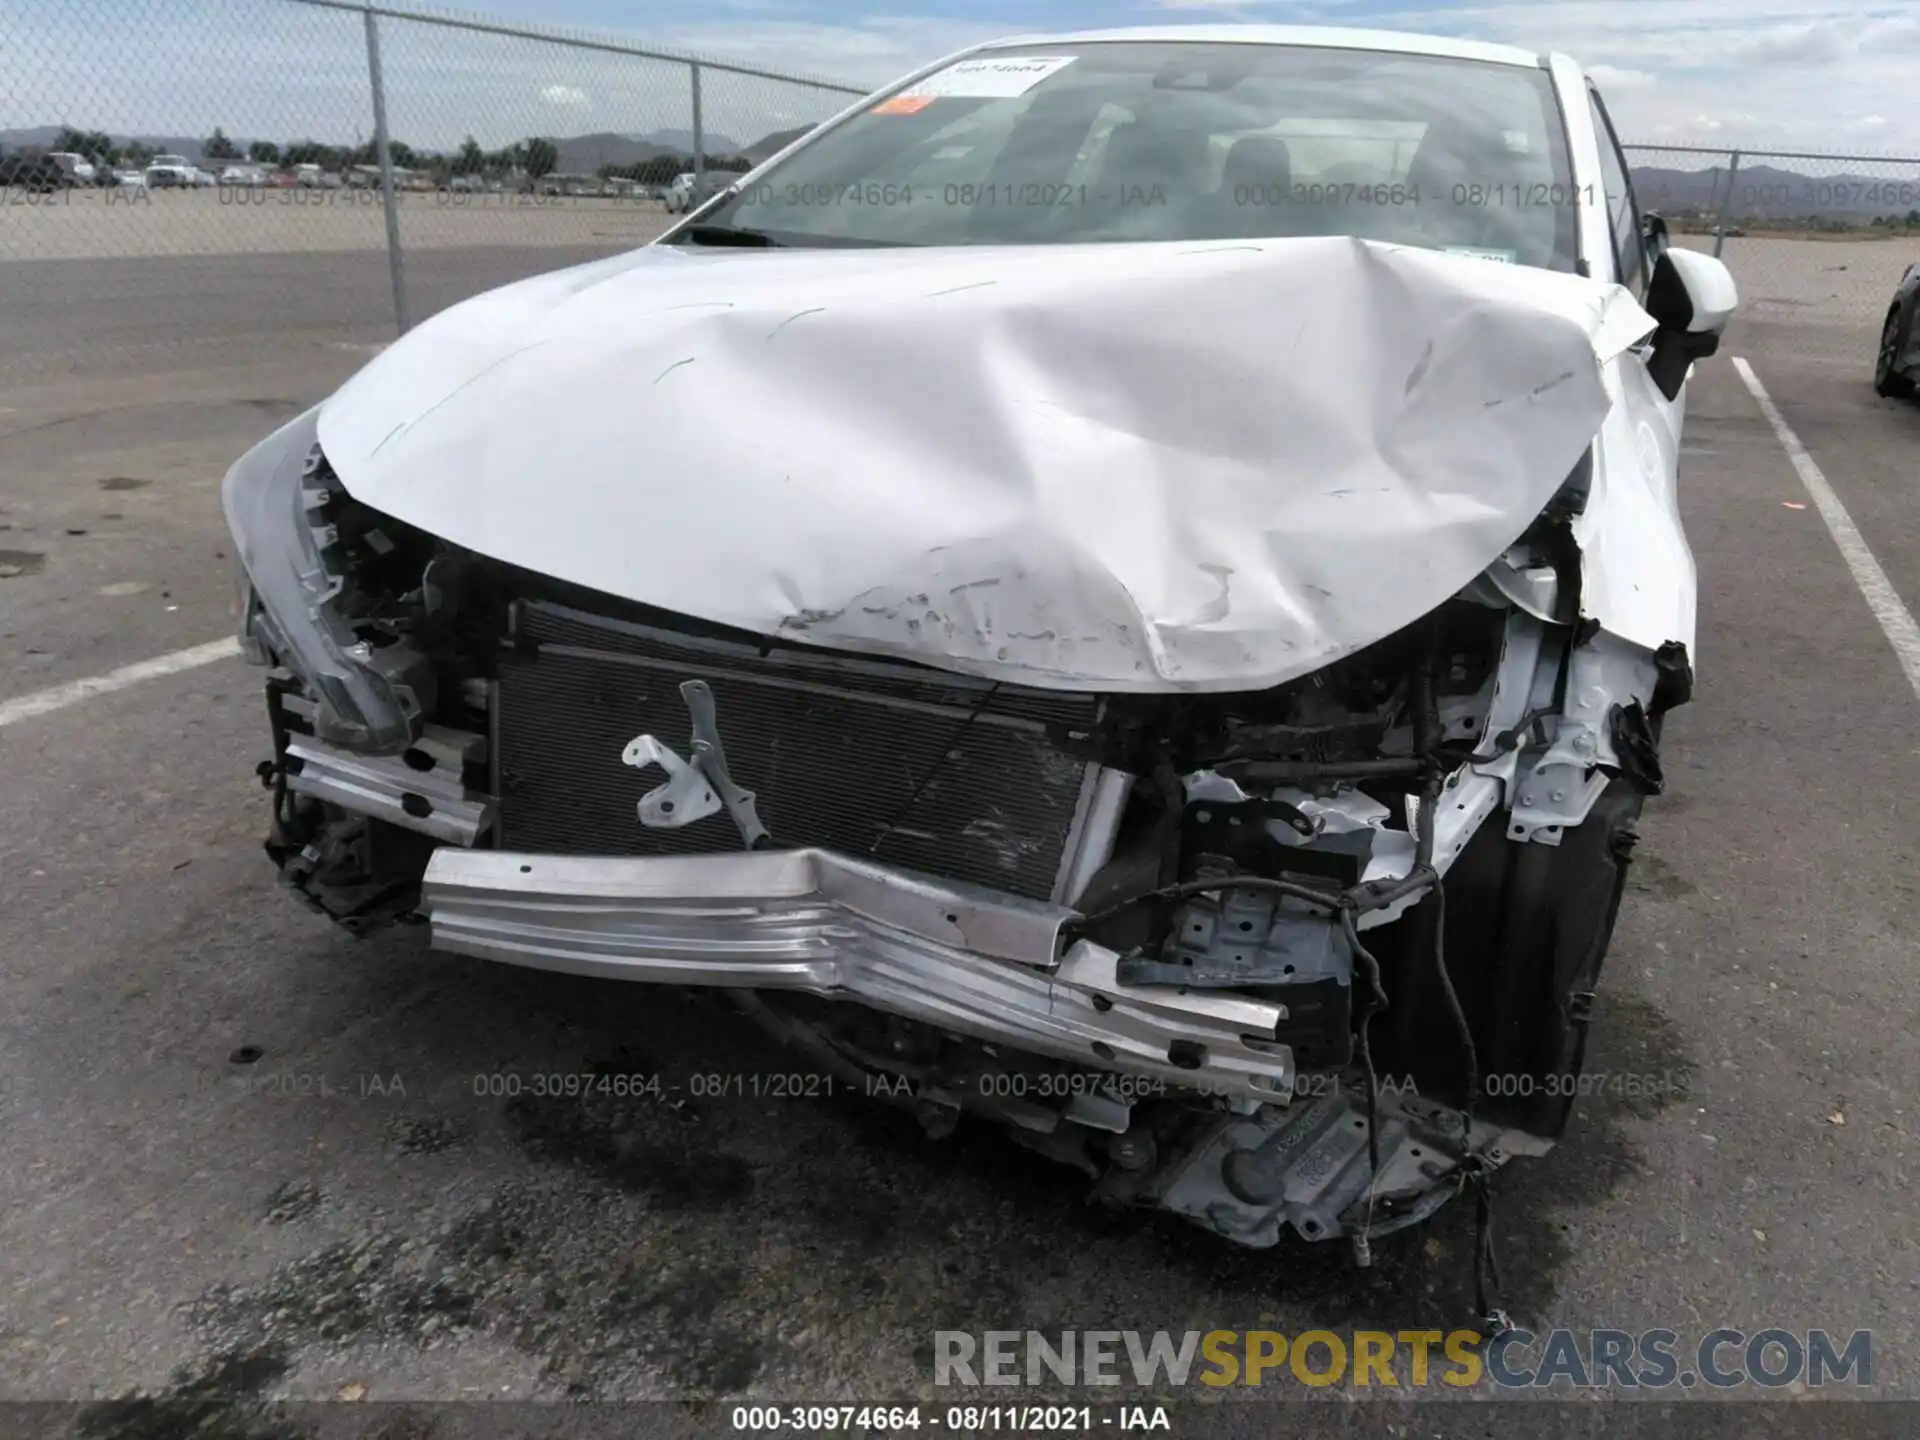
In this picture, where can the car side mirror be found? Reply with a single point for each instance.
(1691, 297)
(1654, 237)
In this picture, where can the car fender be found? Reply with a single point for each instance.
(1638, 578)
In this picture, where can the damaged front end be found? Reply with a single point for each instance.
(1251, 957)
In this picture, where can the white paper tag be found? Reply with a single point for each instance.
(989, 77)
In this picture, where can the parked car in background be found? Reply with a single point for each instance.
(244, 177)
(311, 177)
(367, 177)
(1896, 368)
(577, 186)
(689, 192)
(172, 171)
(131, 179)
(1172, 668)
(78, 168)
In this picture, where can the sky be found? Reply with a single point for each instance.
(1825, 75)
(1797, 74)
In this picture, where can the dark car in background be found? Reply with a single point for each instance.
(1898, 363)
(38, 174)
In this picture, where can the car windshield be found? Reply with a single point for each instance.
(1137, 140)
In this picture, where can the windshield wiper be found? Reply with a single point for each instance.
(711, 234)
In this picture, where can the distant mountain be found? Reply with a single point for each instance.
(768, 145)
(584, 153)
(680, 142)
(34, 137)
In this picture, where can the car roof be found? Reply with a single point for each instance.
(1330, 36)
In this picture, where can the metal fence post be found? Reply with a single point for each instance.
(383, 152)
(699, 136)
(1726, 207)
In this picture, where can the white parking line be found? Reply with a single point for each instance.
(44, 702)
(1882, 599)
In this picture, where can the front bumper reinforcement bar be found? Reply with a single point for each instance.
(960, 957)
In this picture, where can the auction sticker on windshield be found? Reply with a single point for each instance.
(987, 77)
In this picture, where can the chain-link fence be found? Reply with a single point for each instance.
(1791, 194)
(256, 176)
(1817, 241)
(181, 181)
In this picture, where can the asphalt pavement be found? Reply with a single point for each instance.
(247, 1156)
(147, 318)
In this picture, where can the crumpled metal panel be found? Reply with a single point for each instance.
(1143, 467)
(427, 795)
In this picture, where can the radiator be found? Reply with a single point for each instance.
(944, 774)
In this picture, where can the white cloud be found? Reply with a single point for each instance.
(571, 97)
(1792, 70)
(1892, 35)
(1823, 43)
(1204, 10)
(870, 51)
(1613, 79)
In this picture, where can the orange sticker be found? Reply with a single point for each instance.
(903, 105)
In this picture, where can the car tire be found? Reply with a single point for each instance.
(1888, 379)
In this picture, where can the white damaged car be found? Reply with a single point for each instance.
(1126, 584)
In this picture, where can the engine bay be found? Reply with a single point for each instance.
(1324, 855)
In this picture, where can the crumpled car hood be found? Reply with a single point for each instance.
(1128, 467)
